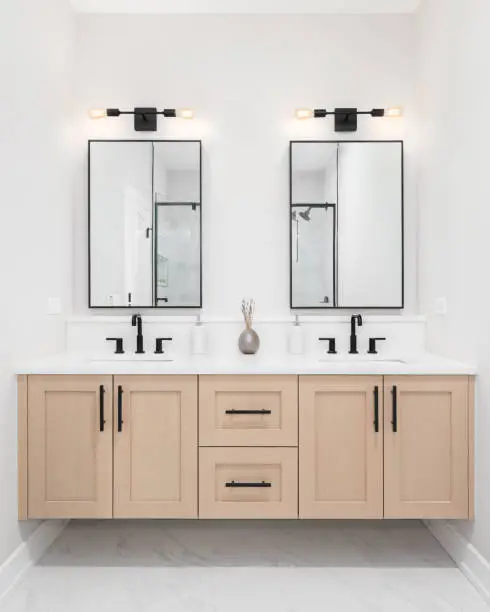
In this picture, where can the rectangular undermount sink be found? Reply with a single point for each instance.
(352, 359)
(132, 358)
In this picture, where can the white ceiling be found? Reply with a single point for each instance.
(246, 6)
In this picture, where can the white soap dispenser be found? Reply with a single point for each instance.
(296, 343)
(198, 338)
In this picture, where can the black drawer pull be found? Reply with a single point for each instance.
(376, 409)
(101, 407)
(248, 485)
(119, 408)
(394, 422)
(233, 411)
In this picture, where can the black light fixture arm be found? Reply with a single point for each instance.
(166, 112)
(346, 118)
(145, 118)
(321, 113)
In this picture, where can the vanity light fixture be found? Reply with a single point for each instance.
(145, 119)
(346, 118)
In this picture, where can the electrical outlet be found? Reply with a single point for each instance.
(54, 306)
(440, 306)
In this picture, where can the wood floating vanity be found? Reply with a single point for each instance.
(246, 446)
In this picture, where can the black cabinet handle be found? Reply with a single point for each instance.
(119, 408)
(101, 407)
(376, 409)
(248, 485)
(233, 411)
(394, 422)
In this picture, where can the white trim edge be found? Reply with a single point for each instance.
(472, 564)
(28, 553)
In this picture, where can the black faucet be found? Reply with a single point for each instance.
(137, 321)
(353, 338)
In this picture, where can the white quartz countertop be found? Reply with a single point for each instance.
(424, 364)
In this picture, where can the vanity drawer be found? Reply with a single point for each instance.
(248, 411)
(247, 483)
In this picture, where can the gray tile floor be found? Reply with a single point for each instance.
(290, 566)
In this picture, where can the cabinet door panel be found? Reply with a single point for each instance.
(155, 453)
(340, 453)
(426, 458)
(69, 457)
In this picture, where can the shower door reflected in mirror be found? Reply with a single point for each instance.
(177, 184)
(145, 224)
(313, 255)
(178, 254)
(346, 224)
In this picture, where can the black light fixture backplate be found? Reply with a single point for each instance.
(145, 119)
(346, 119)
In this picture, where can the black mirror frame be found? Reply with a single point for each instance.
(335, 307)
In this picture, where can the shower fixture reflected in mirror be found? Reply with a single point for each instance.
(306, 214)
(312, 225)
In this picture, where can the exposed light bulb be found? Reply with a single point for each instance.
(396, 111)
(304, 113)
(97, 113)
(185, 113)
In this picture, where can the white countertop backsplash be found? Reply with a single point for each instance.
(87, 335)
(87, 351)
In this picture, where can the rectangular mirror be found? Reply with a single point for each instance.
(145, 224)
(346, 230)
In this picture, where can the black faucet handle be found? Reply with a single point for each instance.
(119, 345)
(372, 345)
(331, 345)
(159, 345)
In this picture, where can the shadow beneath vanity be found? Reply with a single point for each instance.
(177, 543)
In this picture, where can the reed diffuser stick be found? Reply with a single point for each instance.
(248, 311)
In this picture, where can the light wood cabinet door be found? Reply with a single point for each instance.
(69, 446)
(426, 447)
(155, 446)
(248, 410)
(341, 447)
(248, 483)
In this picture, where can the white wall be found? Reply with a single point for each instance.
(244, 75)
(455, 206)
(35, 231)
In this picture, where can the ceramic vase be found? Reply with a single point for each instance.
(249, 341)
